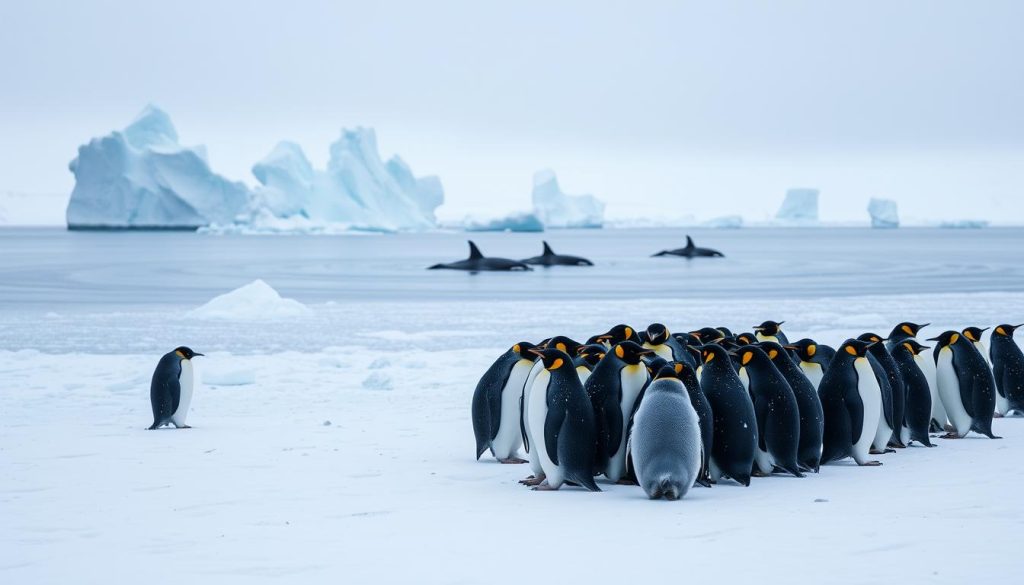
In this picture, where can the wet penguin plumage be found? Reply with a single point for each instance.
(735, 424)
(497, 403)
(1008, 370)
(851, 402)
(563, 423)
(613, 389)
(170, 391)
(966, 385)
(918, 414)
(665, 443)
(778, 416)
(812, 419)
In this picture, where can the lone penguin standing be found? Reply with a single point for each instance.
(170, 392)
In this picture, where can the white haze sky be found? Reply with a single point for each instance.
(665, 109)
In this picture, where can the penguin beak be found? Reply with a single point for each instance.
(535, 351)
(925, 347)
(194, 354)
(792, 347)
(922, 326)
(933, 339)
(985, 329)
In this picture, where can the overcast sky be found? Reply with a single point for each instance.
(672, 108)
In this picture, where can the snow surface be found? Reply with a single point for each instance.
(883, 213)
(141, 177)
(800, 206)
(255, 301)
(354, 462)
(558, 210)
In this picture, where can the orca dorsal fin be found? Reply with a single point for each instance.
(689, 242)
(547, 250)
(474, 252)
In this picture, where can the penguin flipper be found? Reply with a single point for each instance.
(856, 414)
(553, 428)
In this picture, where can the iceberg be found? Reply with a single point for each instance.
(515, 222)
(800, 206)
(558, 210)
(883, 213)
(724, 222)
(142, 178)
(256, 301)
(357, 189)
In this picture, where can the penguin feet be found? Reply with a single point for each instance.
(544, 487)
(874, 451)
(997, 415)
(950, 435)
(626, 481)
(759, 473)
(533, 480)
(871, 463)
(512, 461)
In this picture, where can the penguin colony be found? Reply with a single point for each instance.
(669, 411)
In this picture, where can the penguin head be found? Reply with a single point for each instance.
(654, 363)
(973, 333)
(857, 348)
(592, 353)
(807, 350)
(713, 353)
(774, 351)
(725, 331)
(907, 329)
(946, 339)
(708, 335)
(875, 340)
(563, 344)
(657, 334)
(752, 356)
(746, 339)
(553, 359)
(768, 328)
(185, 353)
(669, 371)
(1006, 330)
(524, 349)
(913, 346)
(618, 334)
(630, 352)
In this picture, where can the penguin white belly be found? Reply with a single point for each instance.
(185, 381)
(871, 399)
(538, 415)
(813, 372)
(980, 346)
(764, 461)
(1002, 404)
(927, 366)
(583, 374)
(509, 437)
(632, 379)
(771, 338)
(531, 380)
(949, 392)
(663, 351)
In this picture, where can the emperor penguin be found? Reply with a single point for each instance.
(618, 334)
(1008, 369)
(771, 331)
(706, 335)
(665, 443)
(565, 345)
(170, 391)
(778, 416)
(966, 386)
(973, 334)
(812, 419)
(902, 332)
(852, 403)
(897, 391)
(587, 358)
(813, 359)
(688, 376)
(563, 423)
(735, 424)
(613, 389)
(918, 416)
(658, 339)
(884, 431)
(496, 404)
(908, 330)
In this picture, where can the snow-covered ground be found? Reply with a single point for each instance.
(353, 461)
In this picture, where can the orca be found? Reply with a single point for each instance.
(477, 263)
(549, 258)
(691, 251)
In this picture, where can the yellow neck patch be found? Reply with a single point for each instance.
(708, 357)
(515, 348)
(909, 347)
(557, 364)
(629, 332)
(850, 350)
(811, 349)
(906, 329)
(1000, 331)
(679, 368)
(179, 354)
(560, 346)
(619, 352)
(747, 357)
(953, 338)
(773, 353)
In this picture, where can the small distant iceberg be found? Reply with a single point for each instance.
(883, 213)
(799, 207)
(724, 222)
(965, 224)
(525, 221)
(555, 209)
(256, 301)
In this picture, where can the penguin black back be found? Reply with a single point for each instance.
(812, 419)
(1008, 368)
(734, 423)
(919, 400)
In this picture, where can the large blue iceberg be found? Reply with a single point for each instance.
(555, 209)
(142, 178)
(800, 207)
(883, 213)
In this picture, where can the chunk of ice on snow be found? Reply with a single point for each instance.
(255, 301)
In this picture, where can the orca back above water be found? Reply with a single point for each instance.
(477, 262)
(549, 258)
(692, 251)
